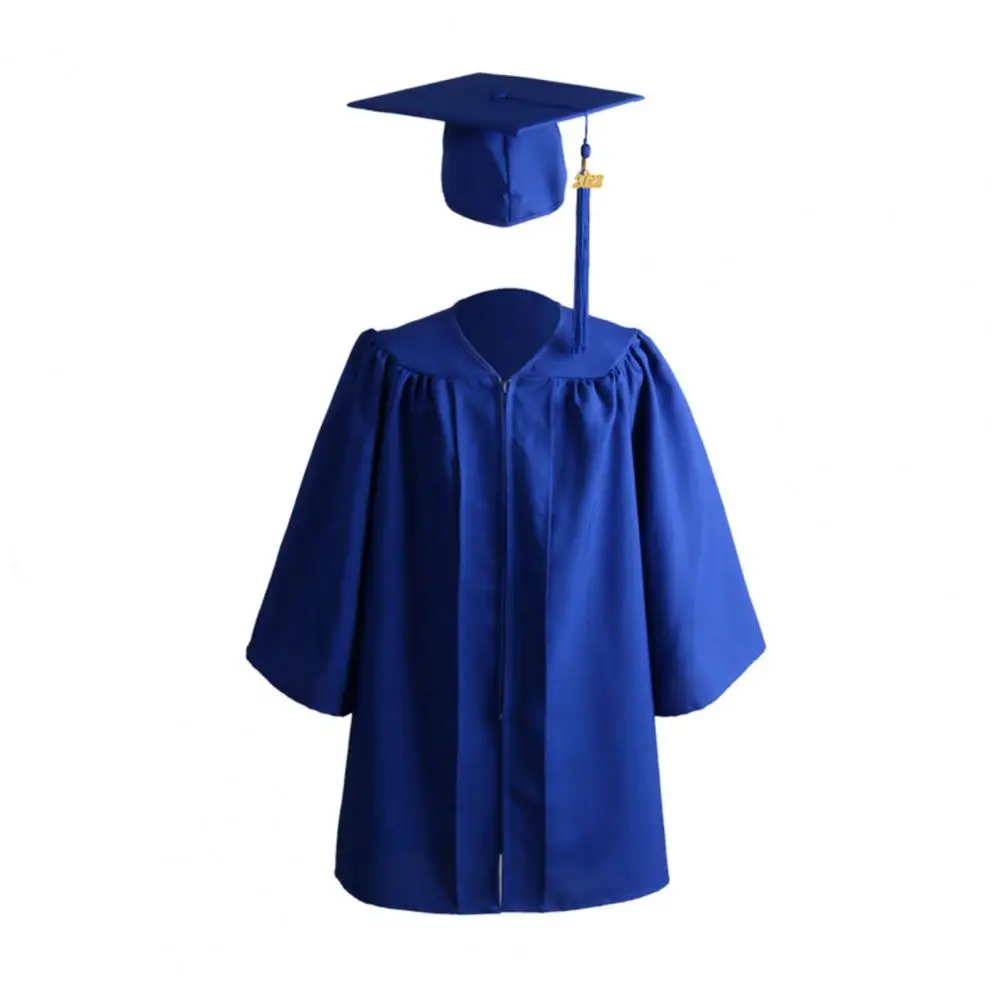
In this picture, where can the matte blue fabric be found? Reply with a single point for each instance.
(496, 103)
(503, 179)
(505, 559)
(581, 269)
(502, 158)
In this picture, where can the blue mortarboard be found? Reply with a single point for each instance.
(503, 160)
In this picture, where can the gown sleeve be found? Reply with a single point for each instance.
(702, 628)
(303, 636)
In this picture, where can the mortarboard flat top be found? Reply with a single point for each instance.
(494, 103)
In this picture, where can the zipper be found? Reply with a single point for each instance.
(504, 547)
(502, 644)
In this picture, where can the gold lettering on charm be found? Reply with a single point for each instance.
(585, 179)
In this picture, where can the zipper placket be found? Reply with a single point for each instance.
(502, 651)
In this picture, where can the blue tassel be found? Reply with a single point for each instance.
(583, 253)
(581, 269)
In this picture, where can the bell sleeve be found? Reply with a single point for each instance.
(304, 632)
(702, 628)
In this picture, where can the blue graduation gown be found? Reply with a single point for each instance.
(504, 569)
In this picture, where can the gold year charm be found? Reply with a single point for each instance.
(585, 179)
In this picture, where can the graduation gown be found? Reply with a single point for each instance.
(505, 560)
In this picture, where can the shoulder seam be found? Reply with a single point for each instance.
(614, 369)
(376, 346)
(386, 353)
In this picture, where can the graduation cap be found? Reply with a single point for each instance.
(502, 158)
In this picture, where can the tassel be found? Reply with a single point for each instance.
(581, 269)
(583, 183)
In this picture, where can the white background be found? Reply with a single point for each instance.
(805, 214)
